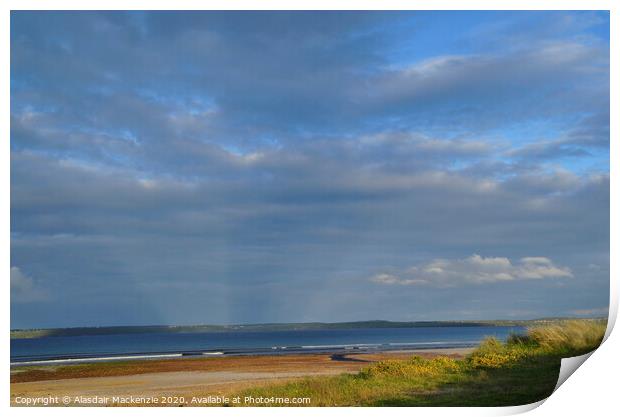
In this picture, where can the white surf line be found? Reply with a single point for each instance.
(340, 346)
(106, 358)
(378, 345)
(431, 343)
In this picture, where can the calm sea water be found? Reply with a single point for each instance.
(68, 348)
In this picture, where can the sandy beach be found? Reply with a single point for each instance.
(181, 380)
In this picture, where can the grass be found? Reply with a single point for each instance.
(521, 371)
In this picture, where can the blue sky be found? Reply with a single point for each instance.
(229, 167)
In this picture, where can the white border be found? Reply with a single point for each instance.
(591, 391)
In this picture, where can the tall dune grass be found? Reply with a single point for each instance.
(574, 336)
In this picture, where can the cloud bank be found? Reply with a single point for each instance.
(474, 270)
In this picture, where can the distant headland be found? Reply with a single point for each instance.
(204, 328)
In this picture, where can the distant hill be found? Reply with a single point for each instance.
(205, 328)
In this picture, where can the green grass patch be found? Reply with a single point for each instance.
(521, 371)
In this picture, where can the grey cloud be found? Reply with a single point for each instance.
(288, 92)
(589, 137)
(441, 85)
(24, 289)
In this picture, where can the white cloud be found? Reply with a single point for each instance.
(24, 288)
(474, 270)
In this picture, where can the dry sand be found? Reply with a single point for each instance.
(184, 379)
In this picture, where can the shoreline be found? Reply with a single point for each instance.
(362, 356)
(195, 376)
(273, 351)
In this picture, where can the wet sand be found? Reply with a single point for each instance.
(186, 378)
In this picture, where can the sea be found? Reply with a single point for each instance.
(158, 345)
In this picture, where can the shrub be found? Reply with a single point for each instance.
(412, 368)
(507, 357)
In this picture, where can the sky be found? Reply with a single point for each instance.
(247, 167)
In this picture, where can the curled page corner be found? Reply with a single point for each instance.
(569, 366)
